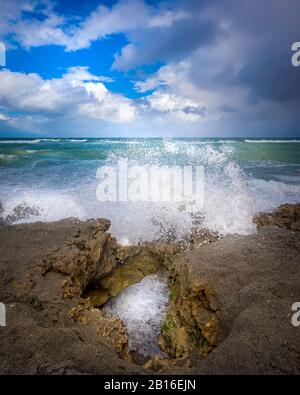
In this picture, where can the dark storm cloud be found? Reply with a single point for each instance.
(271, 76)
(268, 70)
(269, 30)
(168, 44)
(195, 110)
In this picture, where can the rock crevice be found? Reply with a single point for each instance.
(235, 293)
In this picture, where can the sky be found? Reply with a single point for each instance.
(138, 68)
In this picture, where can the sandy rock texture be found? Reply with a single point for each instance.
(237, 294)
(43, 269)
(229, 311)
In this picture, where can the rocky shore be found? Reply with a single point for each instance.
(229, 310)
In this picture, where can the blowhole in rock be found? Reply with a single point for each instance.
(142, 307)
(135, 292)
(152, 311)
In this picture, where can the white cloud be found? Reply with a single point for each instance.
(123, 17)
(169, 75)
(11, 11)
(35, 33)
(196, 83)
(3, 117)
(200, 85)
(177, 107)
(107, 106)
(77, 93)
(167, 18)
(82, 74)
(12, 21)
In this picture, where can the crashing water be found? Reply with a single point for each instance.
(142, 308)
(52, 179)
(57, 177)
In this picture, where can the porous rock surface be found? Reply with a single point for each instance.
(43, 269)
(230, 306)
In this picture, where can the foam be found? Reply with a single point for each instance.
(232, 197)
(52, 206)
(142, 308)
(20, 141)
(77, 140)
(8, 157)
(229, 206)
(272, 141)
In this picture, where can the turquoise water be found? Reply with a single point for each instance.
(58, 178)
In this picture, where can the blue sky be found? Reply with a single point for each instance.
(149, 68)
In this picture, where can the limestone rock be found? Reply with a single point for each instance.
(286, 216)
(47, 333)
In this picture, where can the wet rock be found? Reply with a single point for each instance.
(199, 237)
(191, 324)
(85, 258)
(133, 269)
(156, 363)
(22, 211)
(46, 332)
(230, 301)
(134, 263)
(286, 216)
(114, 329)
(1, 213)
(239, 292)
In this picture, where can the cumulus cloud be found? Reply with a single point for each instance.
(77, 93)
(14, 21)
(123, 17)
(243, 79)
(11, 11)
(36, 33)
(3, 117)
(178, 107)
(225, 64)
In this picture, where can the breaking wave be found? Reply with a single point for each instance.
(232, 193)
(272, 141)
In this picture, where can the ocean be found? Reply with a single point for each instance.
(51, 179)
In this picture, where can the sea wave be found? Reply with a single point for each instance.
(215, 141)
(8, 157)
(35, 141)
(272, 141)
(231, 196)
(32, 141)
(52, 206)
(106, 141)
(76, 140)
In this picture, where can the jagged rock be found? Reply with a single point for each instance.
(85, 258)
(133, 270)
(230, 301)
(246, 286)
(47, 333)
(134, 263)
(114, 329)
(191, 325)
(22, 211)
(286, 216)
